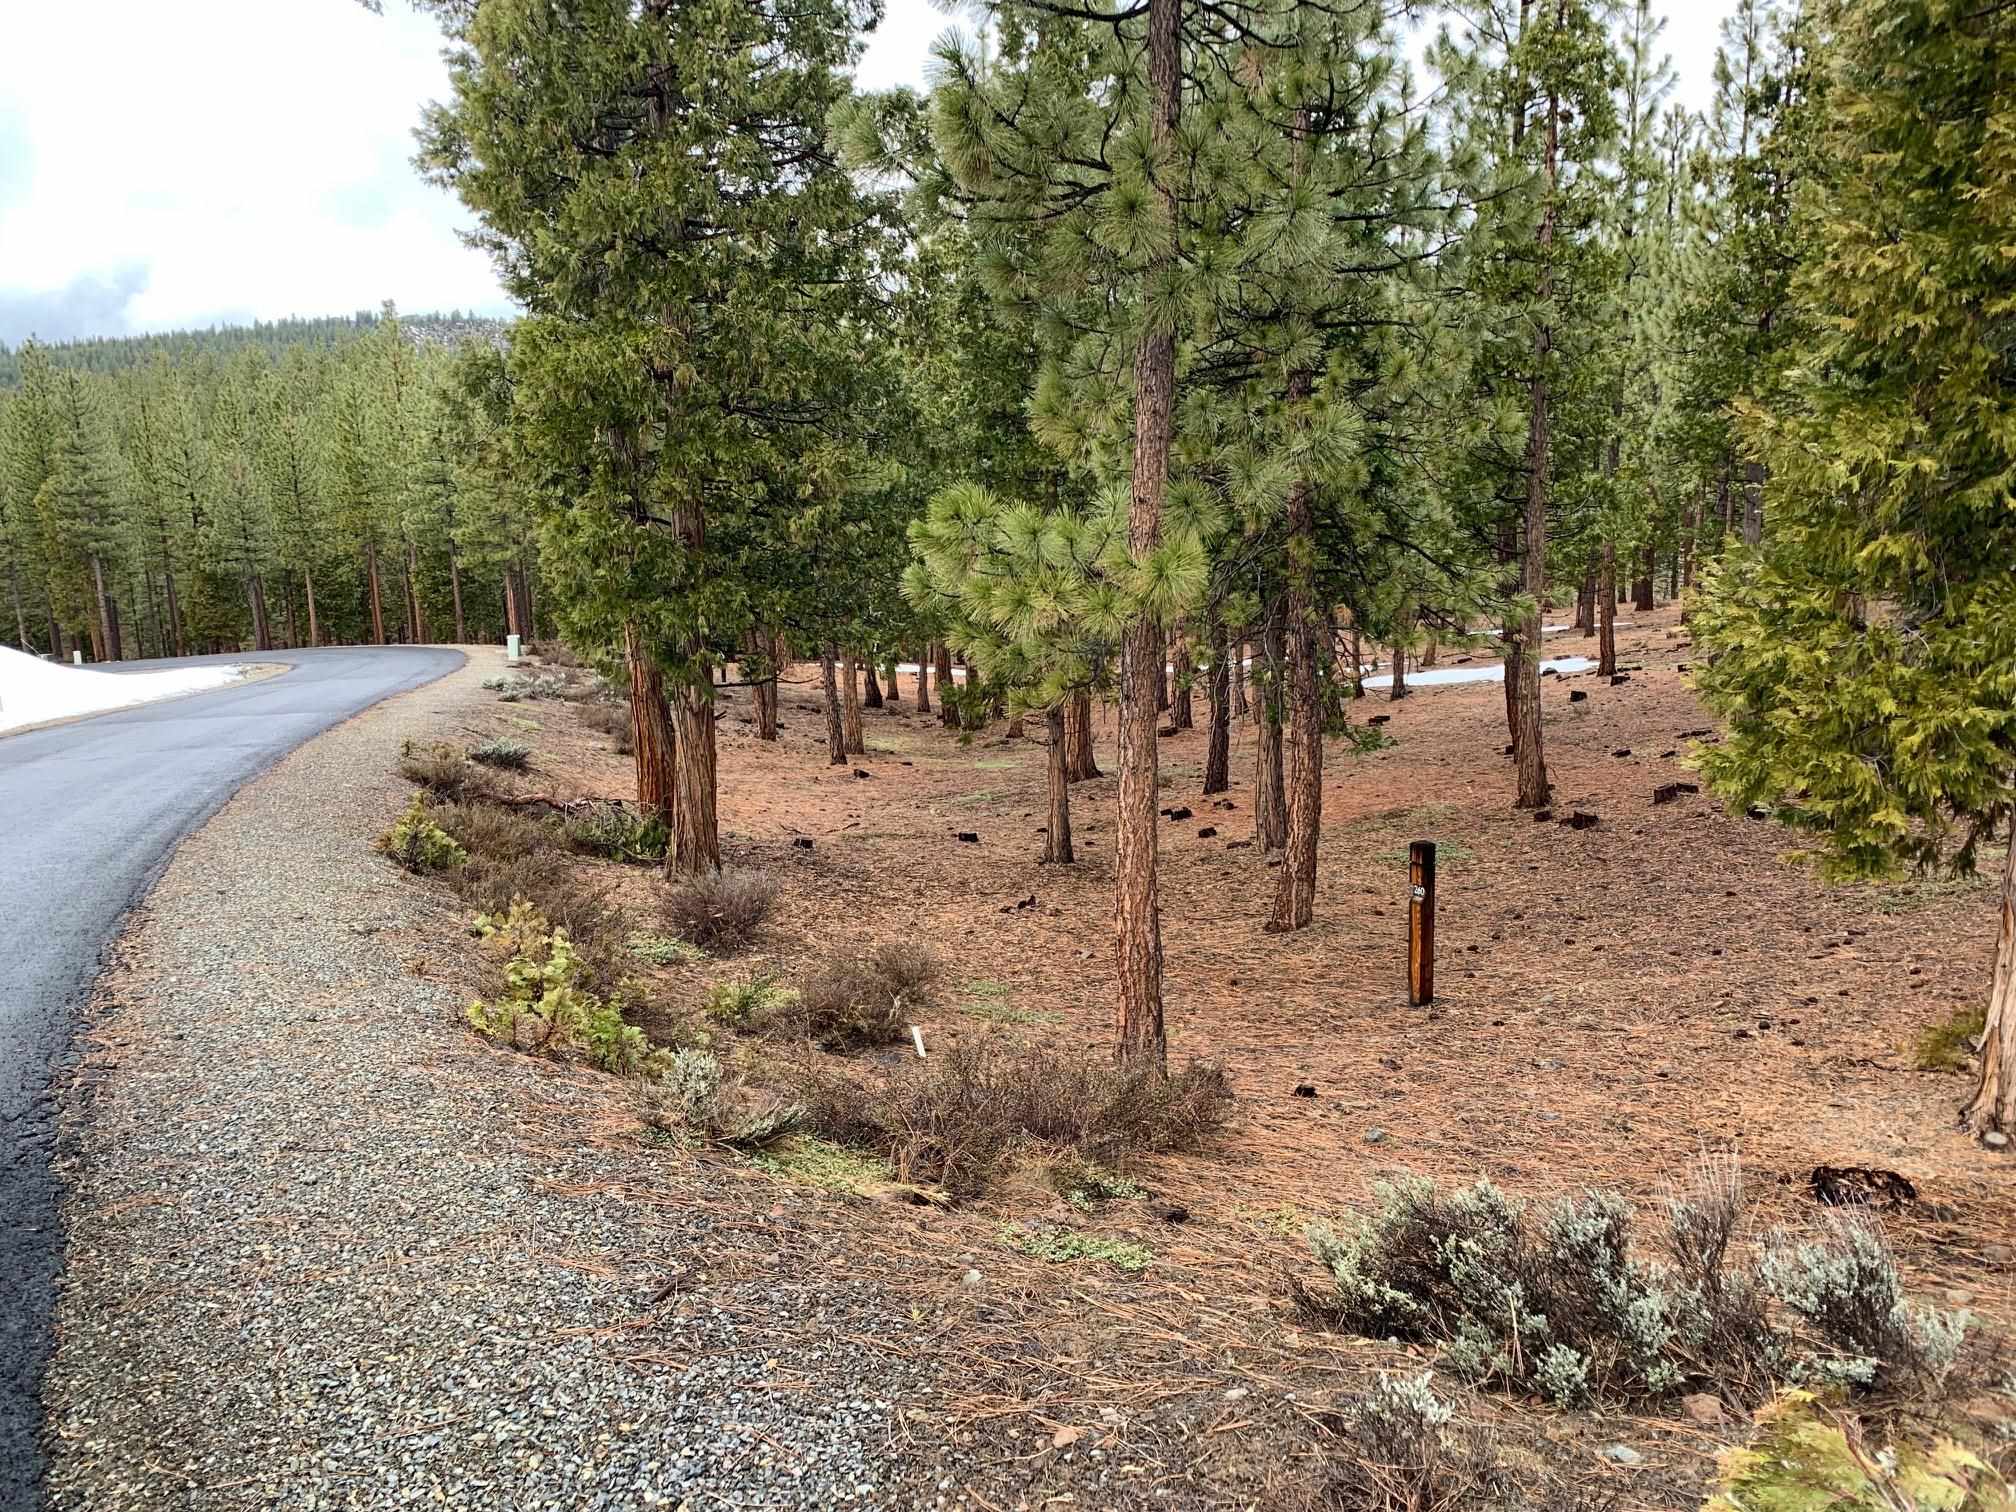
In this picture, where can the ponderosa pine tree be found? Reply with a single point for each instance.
(1866, 655)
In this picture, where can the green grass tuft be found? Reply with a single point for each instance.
(1949, 1046)
(815, 1162)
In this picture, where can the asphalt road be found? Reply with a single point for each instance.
(88, 814)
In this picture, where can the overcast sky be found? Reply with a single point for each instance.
(175, 164)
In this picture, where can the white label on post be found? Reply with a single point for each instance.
(511, 648)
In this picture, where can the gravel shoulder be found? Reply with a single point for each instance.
(322, 1253)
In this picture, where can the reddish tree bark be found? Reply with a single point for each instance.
(1057, 838)
(651, 737)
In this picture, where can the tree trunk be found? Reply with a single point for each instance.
(1357, 661)
(1753, 503)
(107, 626)
(1585, 602)
(924, 681)
(286, 612)
(947, 713)
(1218, 742)
(696, 832)
(1137, 914)
(871, 693)
(174, 601)
(651, 737)
(418, 621)
(829, 686)
(1993, 1106)
(1081, 759)
(1181, 704)
(1057, 838)
(1295, 889)
(851, 706)
(1270, 792)
(377, 599)
(761, 672)
(20, 615)
(893, 694)
(308, 591)
(1162, 681)
(531, 611)
(262, 628)
(1606, 611)
(1533, 791)
(455, 591)
(1641, 588)
(1238, 671)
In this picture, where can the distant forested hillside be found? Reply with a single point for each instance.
(117, 354)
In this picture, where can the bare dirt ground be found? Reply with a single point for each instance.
(1612, 1000)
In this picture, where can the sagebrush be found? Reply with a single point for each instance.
(718, 911)
(417, 843)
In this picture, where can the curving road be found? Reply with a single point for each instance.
(88, 814)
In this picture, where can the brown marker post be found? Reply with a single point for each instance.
(1421, 922)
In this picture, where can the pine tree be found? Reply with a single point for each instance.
(1866, 655)
(657, 188)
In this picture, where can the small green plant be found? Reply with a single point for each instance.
(747, 1002)
(620, 833)
(665, 950)
(1062, 1246)
(1949, 1046)
(509, 755)
(988, 1000)
(1085, 1183)
(417, 843)
(815, 1162)
(1806, 1457)
(546, 1008)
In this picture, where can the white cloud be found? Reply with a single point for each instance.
(252, 156)
(227, 159)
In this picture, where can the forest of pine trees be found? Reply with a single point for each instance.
(166, 497)
(1204, 335)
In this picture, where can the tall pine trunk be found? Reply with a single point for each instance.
(924, 682)
(1081, 761)
(829, 687)
(108, 626)
(871, 690)
(851, 705)
(1641, 586)
(941, 654)
(255, 596)
(377, 598)
(1137, 913)
(308, 591)
(1295, 889)
(417, 621)
(1533, 791)
(893, 694)
(20, 614)
(1182, 704)
(1057, 838)
(1585, 602)
(1218, 742)
(174, 601)
(1270, 792)
(1992, 1109)
(455, 592)
(1239, 678)
(1606, 612)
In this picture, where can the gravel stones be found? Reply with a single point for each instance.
(317, 1259)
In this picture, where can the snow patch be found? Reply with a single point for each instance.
(1491, 672)
(33, 691)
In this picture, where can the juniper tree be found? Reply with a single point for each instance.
(655, 186)
(1866, 655)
